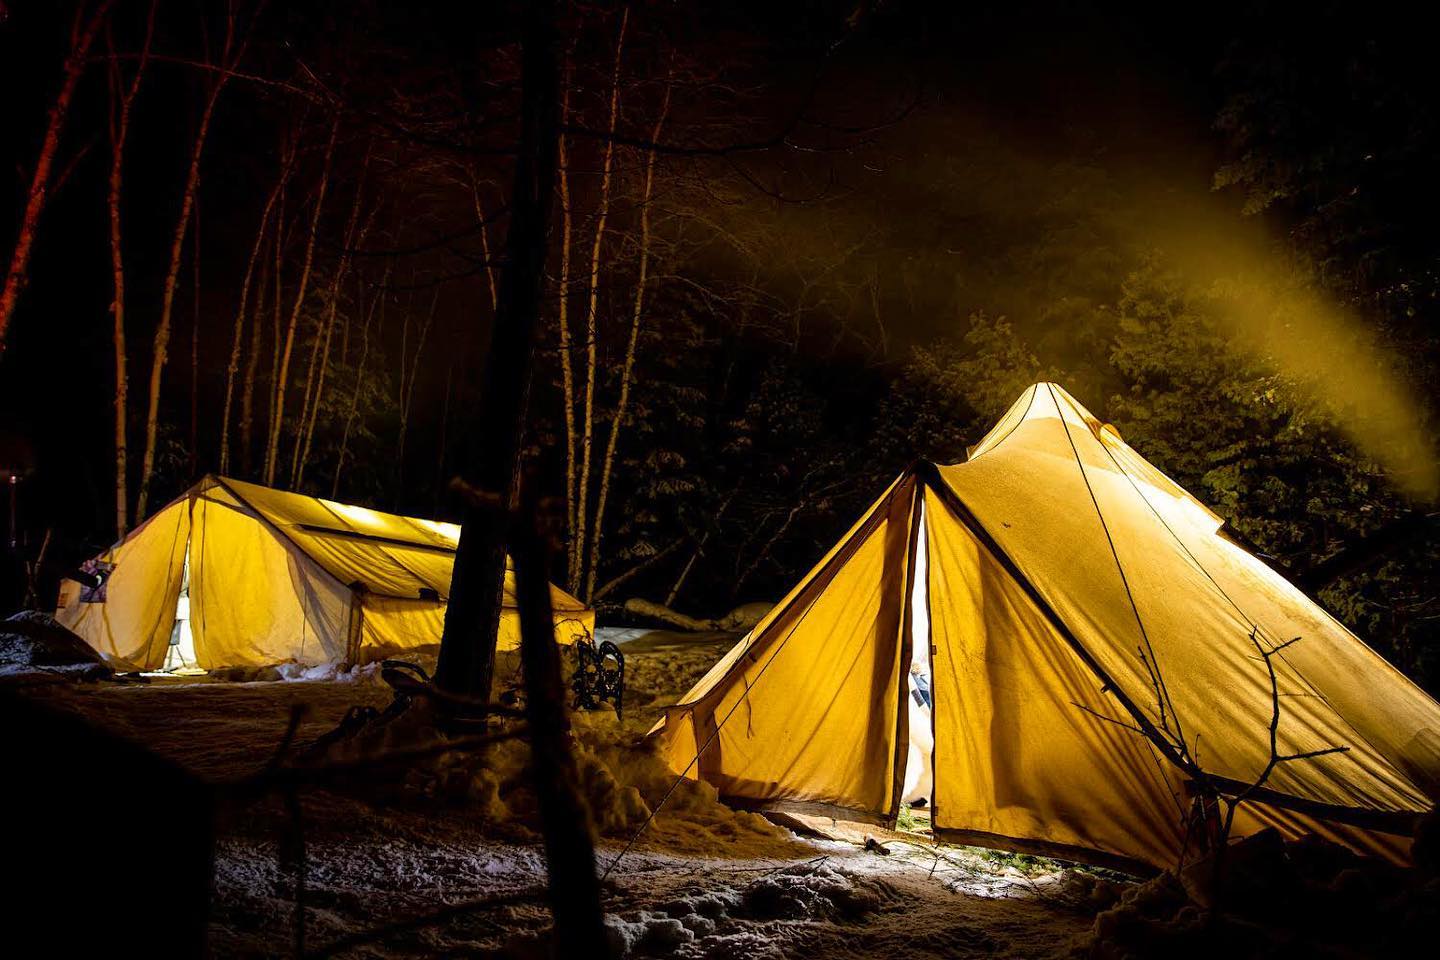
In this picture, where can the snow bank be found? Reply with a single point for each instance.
(32, 642)
(622, 635)
(731, 922)
(329, 672)
(623, 780)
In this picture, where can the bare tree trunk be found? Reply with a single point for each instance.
(120, 109)
(252, 364)
(277, 303)
(229, 57)
(407, 383)
(320, 386)
(315, 384)
(193, 452)
(359, 379)
(282, 375)
(627, 373)
(684, 574)
(635, 570)
(579, 920)
(567, 361)
(240, 315)
(82, 36)
(582, 498)
(306, 432)
(472, 617)
(699, 552)
(484, 241)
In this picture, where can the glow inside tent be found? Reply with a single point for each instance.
(1092, 643)
(236, 574)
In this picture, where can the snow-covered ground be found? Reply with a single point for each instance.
(622, 635)
(703, 881)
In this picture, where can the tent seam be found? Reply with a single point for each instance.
(1023, 417)
(1254, 624)
(838, 560)
(1124, 580)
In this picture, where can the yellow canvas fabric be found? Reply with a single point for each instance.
(392, 625)
(131, 627)
(256, 599)
(1065, 577)
(1127, 571)
(829, 659)
(1016, 757)
(277, 576)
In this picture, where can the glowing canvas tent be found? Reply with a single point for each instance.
(235, 574)
(1043, 585)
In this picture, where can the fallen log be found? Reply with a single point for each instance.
(739, 620)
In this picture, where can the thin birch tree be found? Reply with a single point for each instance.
(353, 238)
(567, 362)
(377, 301)
(582, 496)
(256, 251)
(232, 50)
(82, 37)
(282, 373)
(627, 372)
(324, 334)
(121, 104)
(407, 381)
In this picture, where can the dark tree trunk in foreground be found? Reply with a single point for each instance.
(565, 819)
(472, 617)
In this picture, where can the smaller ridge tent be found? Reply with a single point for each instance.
(1089, 643)
(236, 574)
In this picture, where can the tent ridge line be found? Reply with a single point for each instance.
(1162, 691)
(1396, 822)
(219, 481)
(374, 537)
(224, 484)
(1252, 621)
(342, 533)
(1029, 405)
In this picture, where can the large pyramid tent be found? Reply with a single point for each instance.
(1052, 644)
(235, 574)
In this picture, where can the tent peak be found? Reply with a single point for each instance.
(1045, 399)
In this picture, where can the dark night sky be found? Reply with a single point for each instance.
(1011, 90)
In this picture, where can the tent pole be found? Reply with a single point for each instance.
(907, 650)
(355, 629)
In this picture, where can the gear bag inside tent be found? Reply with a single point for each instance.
(235, 574)
(1059, 651)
